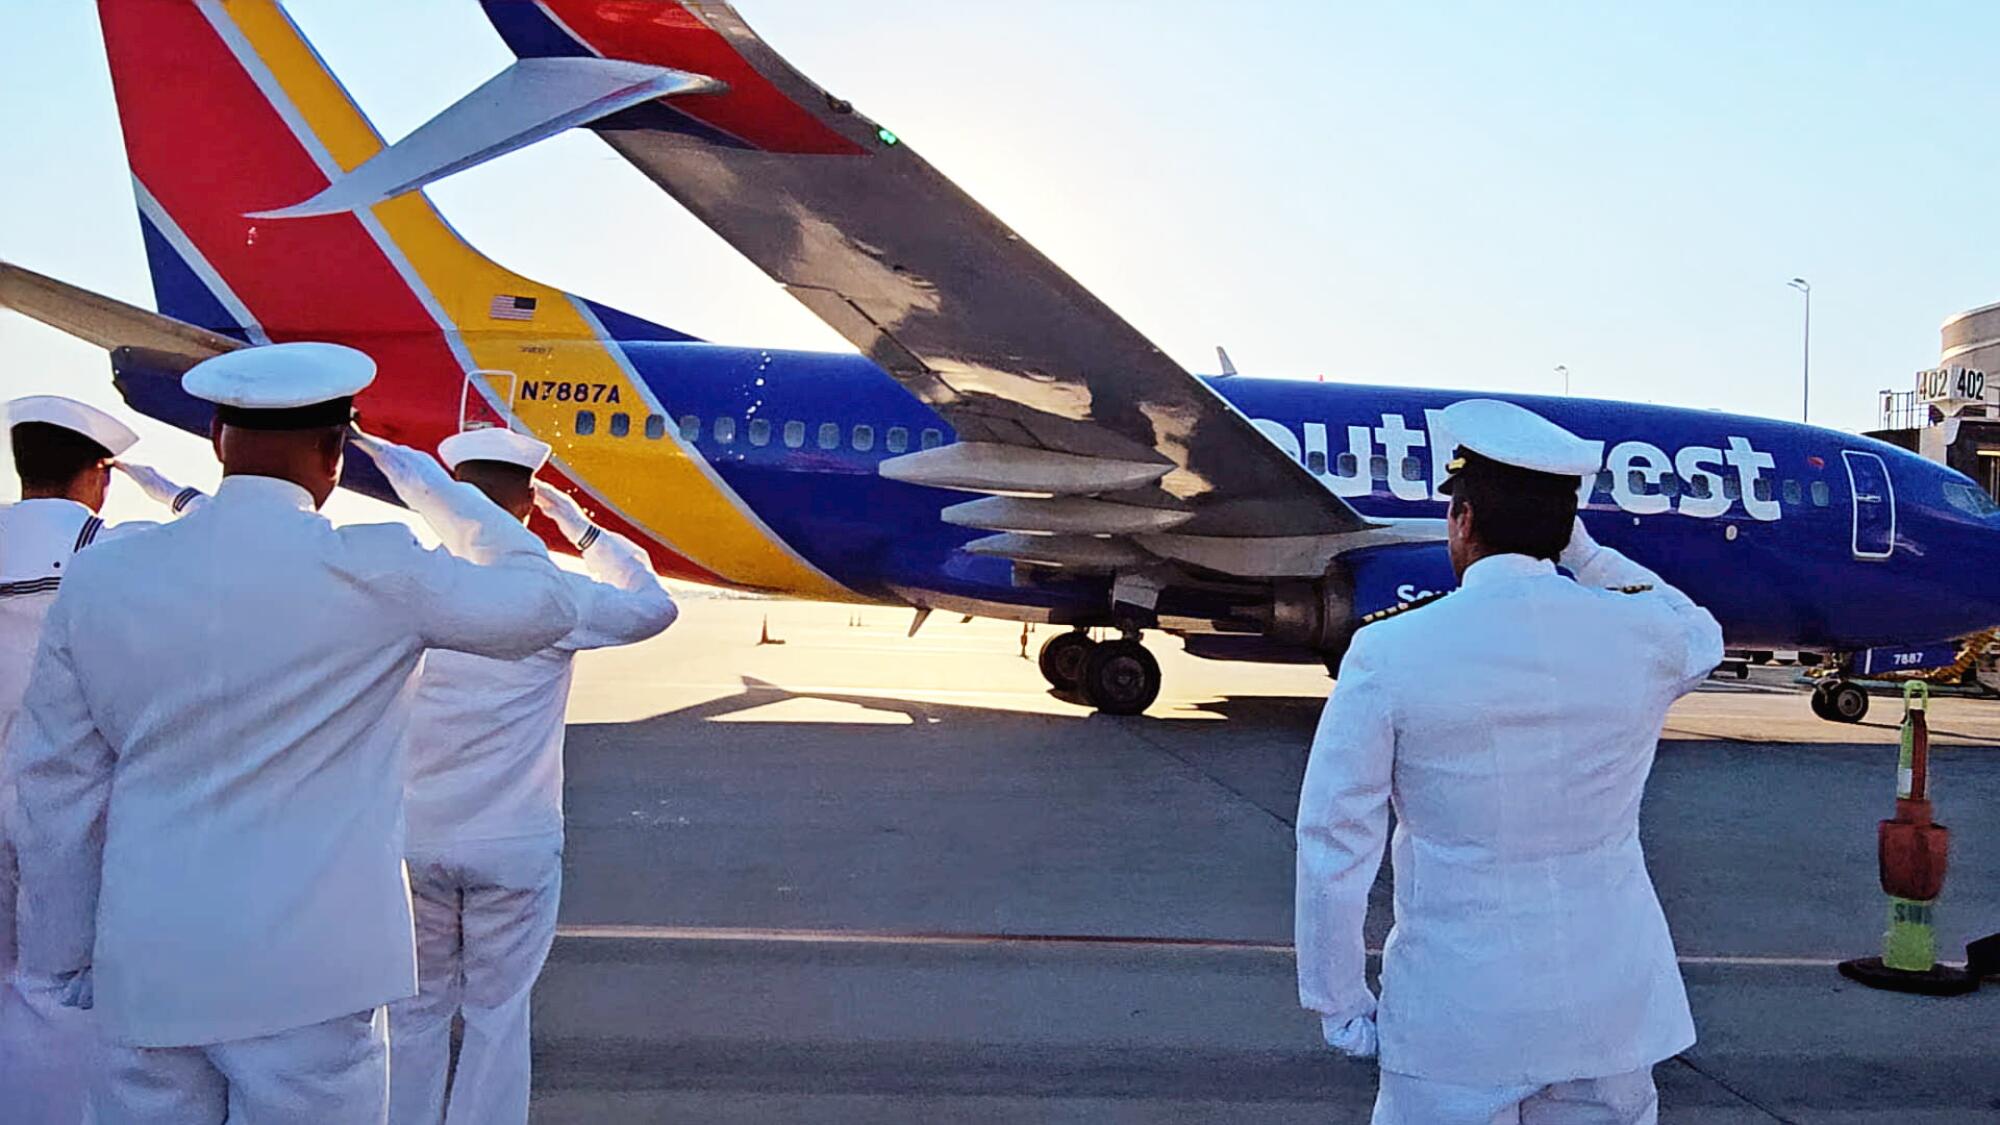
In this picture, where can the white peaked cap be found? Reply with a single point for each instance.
(55, 410)
(494, 444)
(1514, 435)
(280, 376)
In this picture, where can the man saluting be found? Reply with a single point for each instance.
(1529, 975)
(211, 753)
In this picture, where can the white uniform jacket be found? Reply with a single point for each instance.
(487, 740)
(211, 754)
(1511, 725)
(37, 539)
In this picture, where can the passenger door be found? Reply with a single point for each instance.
(1874, 499)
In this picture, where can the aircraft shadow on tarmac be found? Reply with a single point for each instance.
(1274, 715)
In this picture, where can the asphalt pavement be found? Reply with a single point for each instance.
(860, 877)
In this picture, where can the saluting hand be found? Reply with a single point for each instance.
(1581, 549)
(558, 506)
(152, 482)
(405, 467)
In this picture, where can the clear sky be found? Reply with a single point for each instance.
(1425, 193)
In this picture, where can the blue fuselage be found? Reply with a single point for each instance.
(1756, 519)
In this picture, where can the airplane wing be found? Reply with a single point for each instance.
(110, 324)
(1076, 422)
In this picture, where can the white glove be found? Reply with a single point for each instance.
(78, 989)
(1581, 549)
(1354, 1038)
(411, 473)
(558, 506)
(156, 486)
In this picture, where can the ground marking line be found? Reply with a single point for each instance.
(623, 932)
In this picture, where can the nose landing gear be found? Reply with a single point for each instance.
(1117, 677)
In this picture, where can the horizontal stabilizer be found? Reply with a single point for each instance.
(103, 321)
(1068, 515)
(976, 466)
(530, 101)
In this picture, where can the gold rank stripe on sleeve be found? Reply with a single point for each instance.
(1400, 608)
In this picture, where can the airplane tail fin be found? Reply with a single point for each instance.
(228, 111)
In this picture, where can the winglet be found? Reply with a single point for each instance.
(530, 101)
(1228, 365)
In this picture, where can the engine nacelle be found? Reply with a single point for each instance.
(1314, 615)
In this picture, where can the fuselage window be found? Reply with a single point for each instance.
(586, 423)
(1347, 464)
(898, 439)
(725, 431)
(795, 434)
(1637, 484)
(1732, 488)
(690, 428)
(1413, 468)
(1821, 494)
(1316, 461)
(864, 438)
(621, 424)
(656, 427)
(829, 435)
(760, 431)
(1794, 495)
(1700, 489)
(1378, 467)
(1762, 488)
(933, 438)
(1670, 485)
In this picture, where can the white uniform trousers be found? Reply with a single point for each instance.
(486, 916)
(337, 1071)
(44, 1047)
(1623, 1099)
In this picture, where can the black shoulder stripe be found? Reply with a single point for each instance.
(30, 586)
(88, 533)
(184, 497)
(589, 537)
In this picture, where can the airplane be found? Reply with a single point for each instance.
(1002, 445)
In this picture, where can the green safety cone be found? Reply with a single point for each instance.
(1912, 851)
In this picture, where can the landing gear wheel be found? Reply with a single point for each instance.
(1063, 657)
(1838, 701)
(1121, 678)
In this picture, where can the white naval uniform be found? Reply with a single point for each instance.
(42, 1044)
(484, 804)
(1511, 725)
(210, 765)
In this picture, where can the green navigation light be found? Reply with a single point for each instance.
(888, 138)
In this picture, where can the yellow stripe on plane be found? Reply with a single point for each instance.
(660, 485)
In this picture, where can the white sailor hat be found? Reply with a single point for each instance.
(282, 386)
(1491, 431)
(55, 410)
(493, 444)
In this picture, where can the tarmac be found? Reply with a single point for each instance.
(860, 877)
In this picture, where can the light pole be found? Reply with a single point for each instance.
(1562, 369)
(1805, 362)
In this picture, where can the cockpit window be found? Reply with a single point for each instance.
(1970, 499)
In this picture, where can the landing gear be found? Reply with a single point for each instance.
(1062, 660)
(1121, 677)
(1838, 701)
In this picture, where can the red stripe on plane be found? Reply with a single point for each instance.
(665, 34)
(208, 145)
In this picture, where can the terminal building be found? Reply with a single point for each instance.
(1952, 414)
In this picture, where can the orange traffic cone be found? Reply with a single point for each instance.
(1911, 851)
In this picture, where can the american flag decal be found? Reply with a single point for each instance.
(507, 307)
